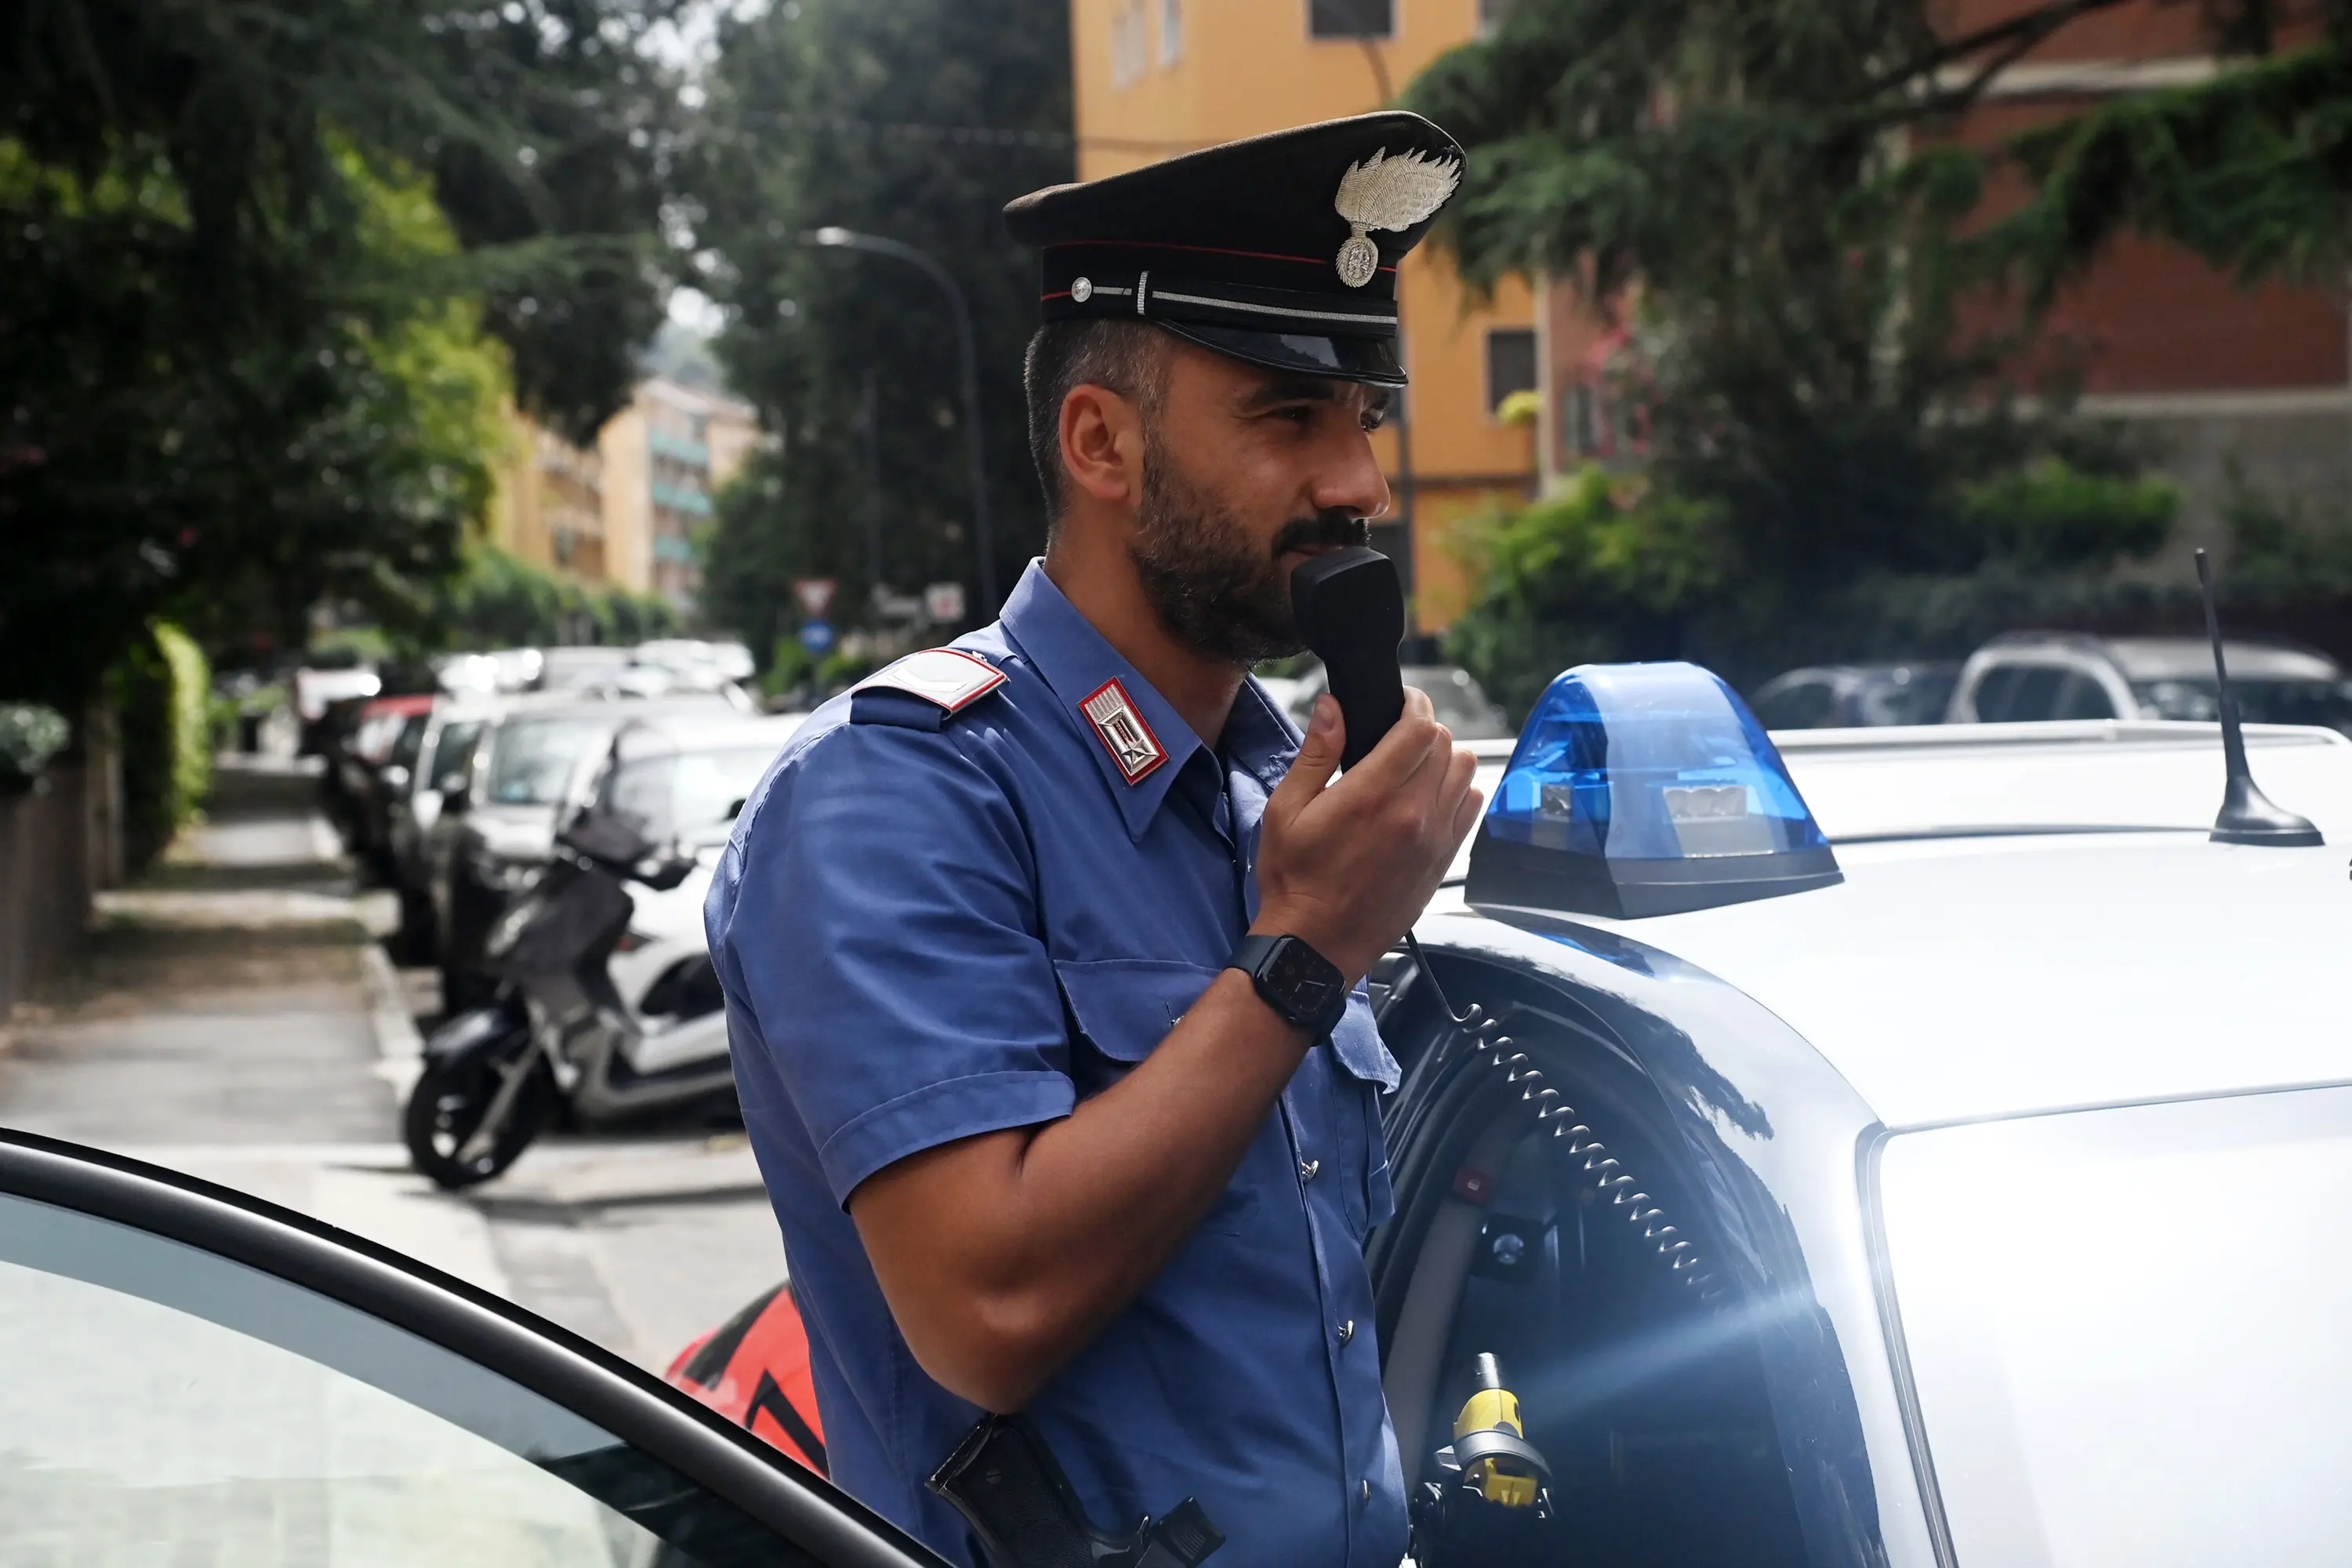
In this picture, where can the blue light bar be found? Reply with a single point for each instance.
(1645, 789)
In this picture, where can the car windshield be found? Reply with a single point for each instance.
(1907, 697)
(1460, 703)
(410, 741)
(688, 797)
(452, 754)
(2327, 703)
(533, 759)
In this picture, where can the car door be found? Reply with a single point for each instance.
(193, 1375)
(1554, 1212)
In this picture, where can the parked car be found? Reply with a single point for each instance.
(1461, 703)
(366, 773)
(315, 691)
(1855, 696)
(1924, 1183)
(197, 1375)
(2035, 677)
(443, 767)
(493, 838)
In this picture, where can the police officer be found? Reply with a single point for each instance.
(1043, 952)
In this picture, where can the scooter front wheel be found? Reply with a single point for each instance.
(467, 1120)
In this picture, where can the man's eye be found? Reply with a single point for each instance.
(1374, 418)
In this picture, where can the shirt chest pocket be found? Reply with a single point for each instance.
(1121, 1009)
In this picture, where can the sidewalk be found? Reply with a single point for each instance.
(238, 1021)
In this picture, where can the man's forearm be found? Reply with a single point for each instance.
(1002, 1256)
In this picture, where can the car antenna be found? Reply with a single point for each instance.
(2248, 815)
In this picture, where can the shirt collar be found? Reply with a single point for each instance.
(1079, 665)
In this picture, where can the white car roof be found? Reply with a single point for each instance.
(1990, 973)
(2191, 659)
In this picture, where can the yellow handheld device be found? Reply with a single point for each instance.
(1508, 1472)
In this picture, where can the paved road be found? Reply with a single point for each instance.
(235, 1022)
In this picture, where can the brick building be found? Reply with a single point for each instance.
(2221, 378)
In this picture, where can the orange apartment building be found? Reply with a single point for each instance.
(1155, 78)
(624, 512)
(2220, 376)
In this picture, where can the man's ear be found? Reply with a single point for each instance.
(1102, 444)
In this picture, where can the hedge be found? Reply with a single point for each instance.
(163, 692)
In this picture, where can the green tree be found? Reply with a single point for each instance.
(915, 121)
(1822, 352)
(2251, 169)
(231, 359)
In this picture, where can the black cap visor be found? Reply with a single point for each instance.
(1372, 361)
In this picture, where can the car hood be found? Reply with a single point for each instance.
(1986, 973)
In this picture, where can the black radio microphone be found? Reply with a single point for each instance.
(1350, 609)
(1349, 606)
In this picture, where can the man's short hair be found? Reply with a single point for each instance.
(1130, 358)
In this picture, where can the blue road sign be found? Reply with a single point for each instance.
(817, 636)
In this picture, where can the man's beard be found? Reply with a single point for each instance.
(1212, 585)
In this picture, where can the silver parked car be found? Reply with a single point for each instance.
(2035, 677)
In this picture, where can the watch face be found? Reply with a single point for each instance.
(1303, 974)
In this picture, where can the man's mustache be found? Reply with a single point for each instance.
(1332, 528)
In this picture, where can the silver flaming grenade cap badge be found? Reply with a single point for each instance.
(1387, 193)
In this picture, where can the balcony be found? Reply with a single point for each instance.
(679, 448)
(679, 498)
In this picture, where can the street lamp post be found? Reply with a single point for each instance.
(837, 238)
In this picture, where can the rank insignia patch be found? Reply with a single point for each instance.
(946, 675)
(1129, 740)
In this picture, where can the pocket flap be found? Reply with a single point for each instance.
(1125, 1006)
(1357, 1043)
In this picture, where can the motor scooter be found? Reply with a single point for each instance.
(608, 1006)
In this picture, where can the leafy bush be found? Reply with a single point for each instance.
(2051, 513)
(1618, 568)
(30, 736)
(1607, 569)
(163, 692)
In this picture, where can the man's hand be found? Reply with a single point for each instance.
(1349, 866)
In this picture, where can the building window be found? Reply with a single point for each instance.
(1351, 18)
(1172, 31)
(1131, 43)
(1491, 14)
(1510, 365)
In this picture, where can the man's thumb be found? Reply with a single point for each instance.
(1318, 756)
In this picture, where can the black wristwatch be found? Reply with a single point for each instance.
(1296, 982)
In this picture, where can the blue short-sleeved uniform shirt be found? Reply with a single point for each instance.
(934, 925)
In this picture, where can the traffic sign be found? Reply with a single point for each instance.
(817, 636)
(943, 601)
(815, 595)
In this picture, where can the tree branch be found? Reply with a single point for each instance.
(2014, 36)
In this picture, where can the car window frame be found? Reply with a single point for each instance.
(505, 1340)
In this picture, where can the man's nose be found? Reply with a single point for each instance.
(1351, 480)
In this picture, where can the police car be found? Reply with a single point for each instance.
(1909, 1147)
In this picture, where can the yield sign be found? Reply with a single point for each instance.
(815, 595)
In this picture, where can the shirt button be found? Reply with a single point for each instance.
(1306, 1169)
(1364, 1493)
(1347, 1331)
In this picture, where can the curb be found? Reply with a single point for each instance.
(399, 1049)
